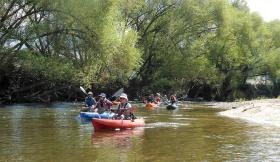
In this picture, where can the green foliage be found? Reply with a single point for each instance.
(51, 69)
(274, 28)
(272, 63)
(114, 56)
(157, 45)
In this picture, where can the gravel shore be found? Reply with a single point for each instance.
(264, 111)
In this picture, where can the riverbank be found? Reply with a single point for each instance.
(264, 111)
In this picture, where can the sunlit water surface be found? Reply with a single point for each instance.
(192, 133)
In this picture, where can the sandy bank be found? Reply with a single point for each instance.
(265, 111)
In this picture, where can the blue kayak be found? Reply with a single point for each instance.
(172, 107)
(90, 115)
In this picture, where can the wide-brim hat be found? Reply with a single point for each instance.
(123, 95)
(102, 95)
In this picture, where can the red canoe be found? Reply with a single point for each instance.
(99, 124)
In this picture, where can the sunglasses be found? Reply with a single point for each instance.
(122, 98)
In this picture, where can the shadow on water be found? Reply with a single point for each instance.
(39, 105)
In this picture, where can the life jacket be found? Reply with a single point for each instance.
(123, 111)
(90, 101)
(104, 104)
(158, 99)
(173, 99)
(119, 110)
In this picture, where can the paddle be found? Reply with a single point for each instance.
(117, 93)
(83, 90)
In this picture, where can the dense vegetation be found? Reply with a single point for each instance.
(203, 48)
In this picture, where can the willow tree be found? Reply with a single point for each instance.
(59, 44)
(172, 36)
(185, 61)
(109, 54)
(236, 49)
(271, 57)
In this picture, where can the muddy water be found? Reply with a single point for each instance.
(192, 133)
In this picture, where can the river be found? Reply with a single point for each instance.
(195, 132)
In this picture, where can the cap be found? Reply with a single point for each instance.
(123, 95)
(102, 95)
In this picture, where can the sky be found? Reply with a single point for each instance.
(268, 9)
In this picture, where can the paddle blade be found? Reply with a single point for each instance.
(83, 90)
(118, 93)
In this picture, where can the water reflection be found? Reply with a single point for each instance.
(195, 134)
(118, 138)
(123, 145)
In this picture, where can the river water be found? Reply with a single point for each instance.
(193, 133)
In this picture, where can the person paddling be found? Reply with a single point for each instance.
(158, 98)
(165, 99)
(103, 104)
(124, 110)
(173, 99)
(90, 101)
(151, 99)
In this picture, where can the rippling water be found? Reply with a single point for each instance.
(192, 133)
